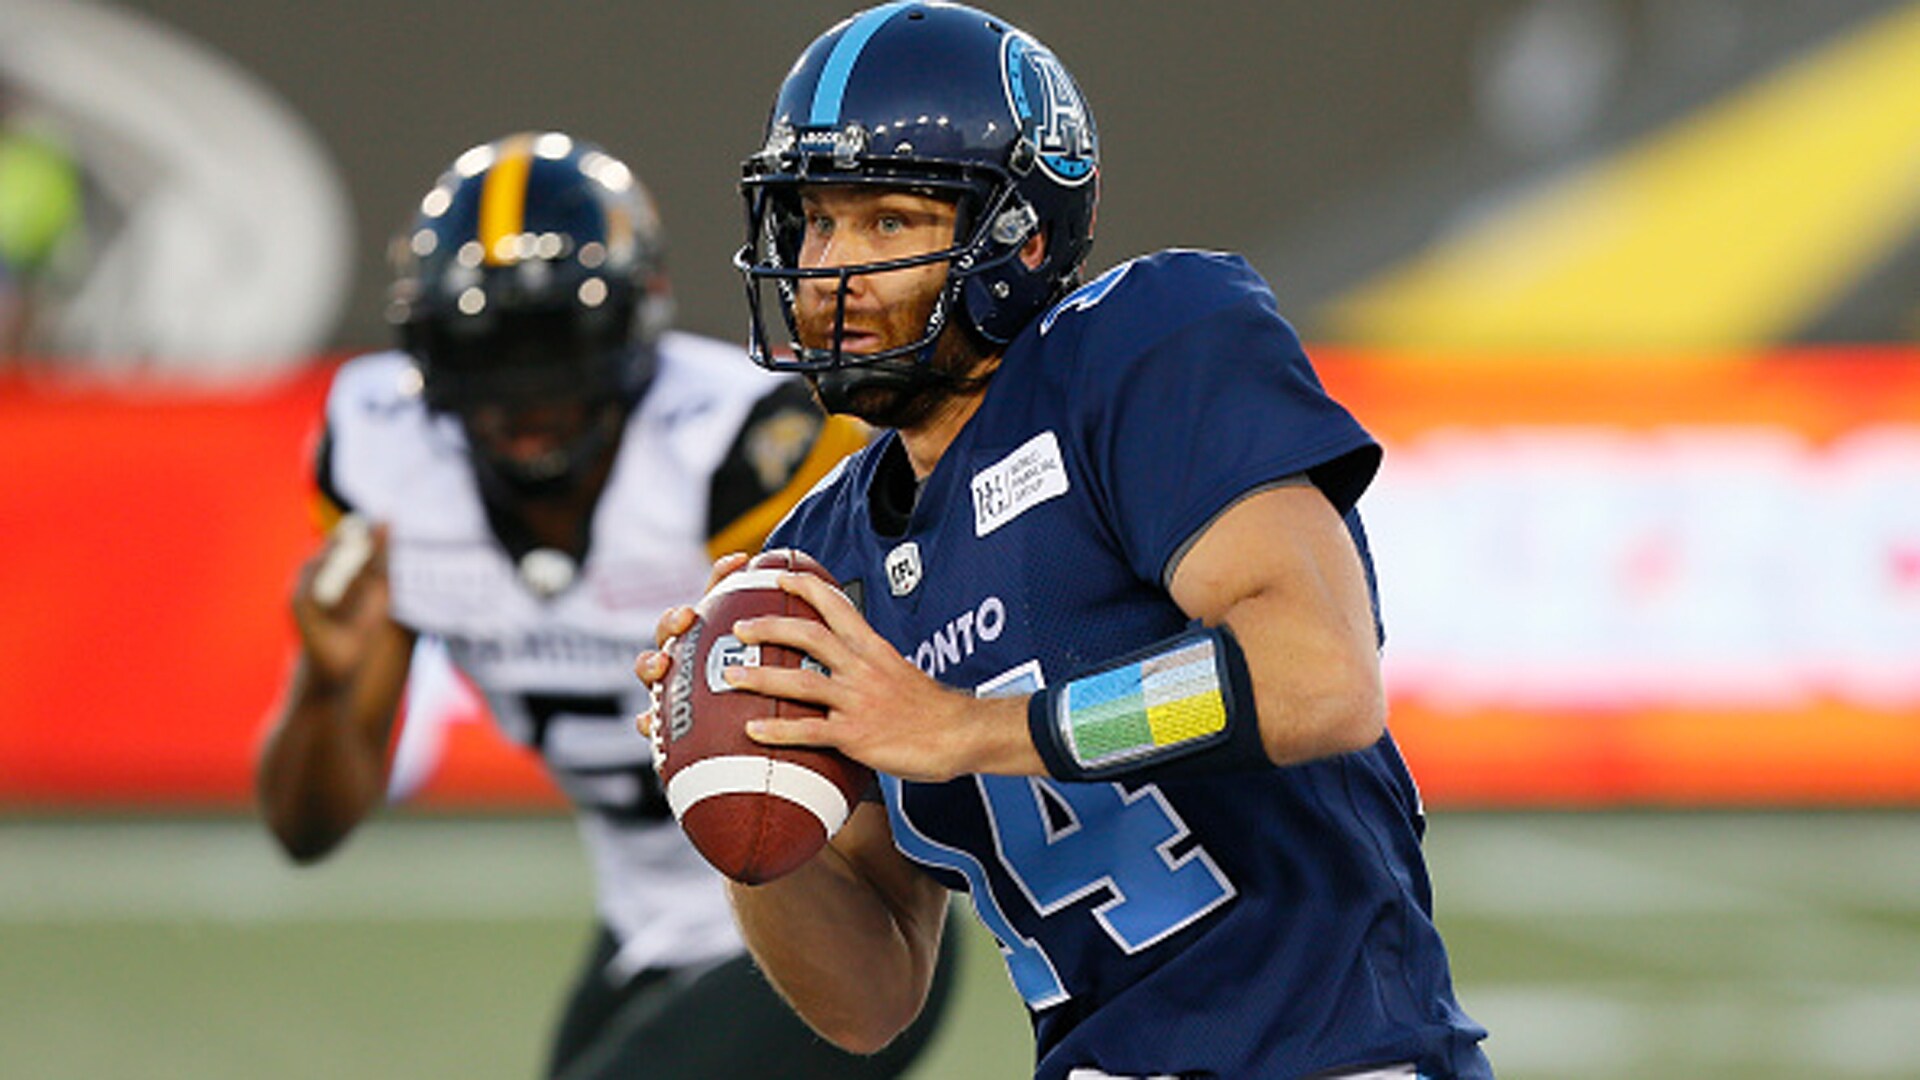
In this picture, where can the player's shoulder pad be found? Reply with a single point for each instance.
(1136, 303)
(374, 388)
(694, 368)
(376, 426)
(778, 432)
(1178, 307)
(702, 390)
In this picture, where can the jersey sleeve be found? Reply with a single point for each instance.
(374, 437)
(1194, 392)
(784, 447)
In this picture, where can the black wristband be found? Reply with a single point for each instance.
(1182, 706)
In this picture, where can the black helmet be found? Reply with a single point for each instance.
(533, 272)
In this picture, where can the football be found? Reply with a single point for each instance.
(755, 812)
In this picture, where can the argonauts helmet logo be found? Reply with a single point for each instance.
(1051, 112)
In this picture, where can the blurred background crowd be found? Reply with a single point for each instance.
(190, 183)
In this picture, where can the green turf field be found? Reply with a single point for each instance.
(1757, 947)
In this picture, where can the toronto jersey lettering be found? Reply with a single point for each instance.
(1267, 924)
(557, 673)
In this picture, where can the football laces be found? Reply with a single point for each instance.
(654, 737)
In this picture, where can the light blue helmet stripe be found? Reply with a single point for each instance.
(846, 52)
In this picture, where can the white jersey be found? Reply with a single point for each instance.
(557, 670)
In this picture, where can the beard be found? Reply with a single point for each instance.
(901, 392)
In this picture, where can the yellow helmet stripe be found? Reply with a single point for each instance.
(503, 199)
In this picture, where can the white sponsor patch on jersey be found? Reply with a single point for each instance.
(1018, 482)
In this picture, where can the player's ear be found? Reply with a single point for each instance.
(1034, 250)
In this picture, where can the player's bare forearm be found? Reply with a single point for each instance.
(1280, 569)
(851, 938)
(322, 768)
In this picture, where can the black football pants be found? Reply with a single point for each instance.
(720, 1021)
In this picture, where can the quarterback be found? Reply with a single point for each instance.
(1109, 631)
(530, 479)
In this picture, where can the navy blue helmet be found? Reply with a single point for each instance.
(533, 272)
(945, 100)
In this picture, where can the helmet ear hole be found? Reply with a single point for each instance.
(656, 315)
(997, 303)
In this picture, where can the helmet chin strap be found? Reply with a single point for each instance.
(892, 393)
(839, 387)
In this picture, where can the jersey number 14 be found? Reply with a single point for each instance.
(1061, 844)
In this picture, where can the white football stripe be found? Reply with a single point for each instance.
(743, 581)
(740, 582)
(745, 775)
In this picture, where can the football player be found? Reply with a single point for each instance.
(537, 471)
(1109, 629)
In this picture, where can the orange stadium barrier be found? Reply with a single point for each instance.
(1607, 581)
(1658, 579)
(149, 544)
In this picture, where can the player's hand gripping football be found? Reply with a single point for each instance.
(341, 596)
(881, 710)
(653, 665)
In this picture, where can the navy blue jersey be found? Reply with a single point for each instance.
(1264, 924)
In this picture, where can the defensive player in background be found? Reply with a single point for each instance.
(543, 469)
(1108, 629)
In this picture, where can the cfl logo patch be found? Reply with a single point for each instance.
(903, 569)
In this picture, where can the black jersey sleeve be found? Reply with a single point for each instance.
(784, 447)
(329, 505)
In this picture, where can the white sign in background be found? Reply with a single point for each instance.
(1687, 566)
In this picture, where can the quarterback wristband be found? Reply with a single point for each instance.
(1179, 707)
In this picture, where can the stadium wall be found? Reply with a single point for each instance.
(1608, 580)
